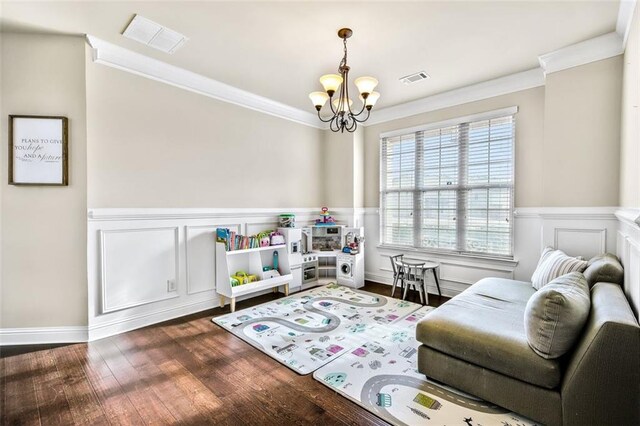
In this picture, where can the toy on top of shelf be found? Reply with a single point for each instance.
(277, 238)
(325, 218)
(222, 235)
(265, 238)
(287, 220)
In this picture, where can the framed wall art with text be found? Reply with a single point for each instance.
(38, 148)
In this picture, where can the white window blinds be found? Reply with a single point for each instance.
(450, 188)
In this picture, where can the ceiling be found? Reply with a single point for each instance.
(279, 49)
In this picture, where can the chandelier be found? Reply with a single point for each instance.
(344, 118)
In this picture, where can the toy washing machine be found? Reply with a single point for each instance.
(350, 270)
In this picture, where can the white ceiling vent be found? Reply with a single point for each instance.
(413, 78)
(154, 35)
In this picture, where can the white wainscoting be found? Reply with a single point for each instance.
(578, 231)
(628, 250)
(150, 265)
(132, 253)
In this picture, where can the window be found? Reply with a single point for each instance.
(449, 186)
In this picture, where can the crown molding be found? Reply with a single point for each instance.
(592, 50)
(108, 54)
(475, 92)
(625, 16)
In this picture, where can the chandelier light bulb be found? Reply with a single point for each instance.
(371, 99)
(346, 104)
(331, 83)
(366, 84)
(318, 99)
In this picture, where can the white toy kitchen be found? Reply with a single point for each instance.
(326, 253)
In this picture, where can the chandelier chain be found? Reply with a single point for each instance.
(344, 58)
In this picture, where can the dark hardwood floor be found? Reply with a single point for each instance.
(187, 371)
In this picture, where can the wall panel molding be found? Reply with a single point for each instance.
(567, 213)
(628, 250)
(130, 252)
(599, 240)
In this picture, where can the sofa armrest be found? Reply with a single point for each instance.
(602, 381)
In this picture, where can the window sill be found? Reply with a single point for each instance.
(435, 255)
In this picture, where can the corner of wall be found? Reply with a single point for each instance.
(630, 119)
(3, 136)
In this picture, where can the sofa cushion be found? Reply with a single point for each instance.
(554, 264)
(556, 313)
(484, 325)
(604, 268)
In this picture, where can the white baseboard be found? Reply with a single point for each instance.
(134, 322)
(121, 325)
(43, 335)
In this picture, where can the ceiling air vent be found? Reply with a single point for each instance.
(154, 35)
(413, 78)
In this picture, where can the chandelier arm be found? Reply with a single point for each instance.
(364, 105)
(334, 126)
(353, 123)
(353, 126)
(323, 120)
(364, 119)
(331, 105)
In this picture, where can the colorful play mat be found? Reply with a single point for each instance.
(363, 346)
(309, 329)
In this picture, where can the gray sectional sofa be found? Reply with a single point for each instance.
(476, 342)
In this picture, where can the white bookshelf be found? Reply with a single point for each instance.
(250, 261)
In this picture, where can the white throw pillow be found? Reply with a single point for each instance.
(554, 264)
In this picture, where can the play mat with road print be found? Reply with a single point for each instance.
(382, 376)
(307, 330)
(363, 346)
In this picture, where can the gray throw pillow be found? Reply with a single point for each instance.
(604, 268)
(555, 315)
(554, 264)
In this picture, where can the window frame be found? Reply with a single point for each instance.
(418, 191)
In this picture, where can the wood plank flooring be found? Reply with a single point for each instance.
(185, 371)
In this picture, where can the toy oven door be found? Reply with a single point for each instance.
(309, 272)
